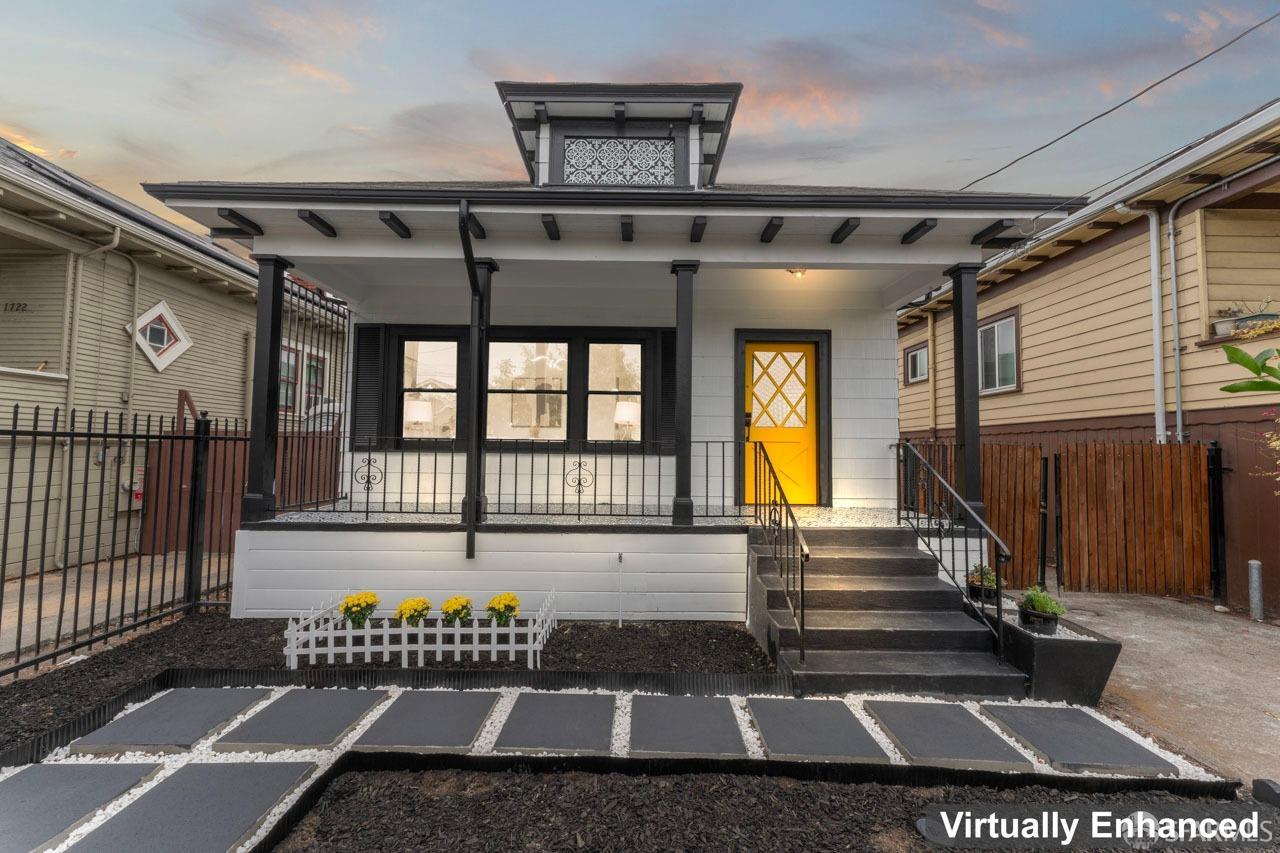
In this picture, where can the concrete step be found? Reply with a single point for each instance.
(854, 592)
(831, 560)
(900, 630)
(859, 537)
(934, 673)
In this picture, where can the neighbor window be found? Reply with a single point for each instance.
(429, 389)
(159, 336)
(528, 389)
(917, 363)
(314, 377)
(613, 392)
(288, 379)
(998, 355)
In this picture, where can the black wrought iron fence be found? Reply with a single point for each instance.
(108, 524)
(773, 515)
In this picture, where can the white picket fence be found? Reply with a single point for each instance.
(327, 637)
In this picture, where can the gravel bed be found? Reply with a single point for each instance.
(33, 705)
(470, 810)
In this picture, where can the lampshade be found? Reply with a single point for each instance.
(626, 413)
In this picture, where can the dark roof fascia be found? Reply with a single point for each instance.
(510, 90)
(544, 197)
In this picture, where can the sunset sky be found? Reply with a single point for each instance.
(910, 93)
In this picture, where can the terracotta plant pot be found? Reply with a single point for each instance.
(1037, 622)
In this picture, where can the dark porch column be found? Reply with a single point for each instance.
(259, 500)
(477, 402)
(682, 506)
(964, 327)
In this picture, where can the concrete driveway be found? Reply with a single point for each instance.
(1208, 682)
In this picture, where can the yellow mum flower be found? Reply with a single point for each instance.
(358, 607)
(503, 607)
(456, 609)
(413, 610)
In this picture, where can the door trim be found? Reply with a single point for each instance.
(821, 338)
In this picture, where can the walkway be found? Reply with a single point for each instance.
(246, 754)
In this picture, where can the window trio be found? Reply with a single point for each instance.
(535, 388)
(997, 356)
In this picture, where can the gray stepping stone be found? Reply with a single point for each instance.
(1071, 740)
(201, 807)
(814, 730)
(578, 723)
(42, 804)
(172, 722)
(684, 725)
(938, 735)
(429, 721)
(301, 719)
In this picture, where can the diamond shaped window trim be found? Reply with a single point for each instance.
(160, 335)
(778, 389)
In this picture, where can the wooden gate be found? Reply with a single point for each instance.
(1134, 518)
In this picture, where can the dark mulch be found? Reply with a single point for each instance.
(34, 705)
(470, 810)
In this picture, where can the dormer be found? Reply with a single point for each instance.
(650, 136)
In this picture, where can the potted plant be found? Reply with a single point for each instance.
(413, 610)
(1038, 611)
(456, 610)
(358, 607)
(1241, 317)
(503, 608)
(982, 583)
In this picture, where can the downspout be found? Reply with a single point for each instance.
(1157, 319)
(136, 277)
(933, 374)
(1173, 282)
(73, 348)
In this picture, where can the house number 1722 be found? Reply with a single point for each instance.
(15, 307)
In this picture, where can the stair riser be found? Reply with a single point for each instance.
(871, 566)
(887, 640)
(985, 686)
(844, 599)
(854, 537)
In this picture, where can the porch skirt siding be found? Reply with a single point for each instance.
(660, 576)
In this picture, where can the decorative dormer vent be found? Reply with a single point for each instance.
(606, 161)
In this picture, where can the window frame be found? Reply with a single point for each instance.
(578, 337)
(312, 392)
(297, 375)
(1012, 314)
(907, 353)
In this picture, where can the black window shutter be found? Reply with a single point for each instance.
(368, 379)
(667, 389)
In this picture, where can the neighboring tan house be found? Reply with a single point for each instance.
(1076, 344)
(111, 312)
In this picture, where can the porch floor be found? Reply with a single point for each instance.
(807, 516)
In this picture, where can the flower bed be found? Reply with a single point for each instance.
(327, 636)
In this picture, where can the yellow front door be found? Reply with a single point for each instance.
(782, 402)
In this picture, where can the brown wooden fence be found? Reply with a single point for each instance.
(1135, 518)
(1012, 477)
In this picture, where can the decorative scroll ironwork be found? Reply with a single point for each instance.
(579, 477)
(368, 473)
(612, 161)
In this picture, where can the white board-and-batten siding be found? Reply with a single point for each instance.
(688, 575)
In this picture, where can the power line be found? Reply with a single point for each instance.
(1126, 101)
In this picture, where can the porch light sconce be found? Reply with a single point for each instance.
(797, 273)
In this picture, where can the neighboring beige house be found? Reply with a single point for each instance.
(79, 269)
(1070, 346)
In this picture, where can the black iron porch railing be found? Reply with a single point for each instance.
(955, 534)
(775, 518)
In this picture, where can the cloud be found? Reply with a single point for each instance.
(22, 138)
(313, 72)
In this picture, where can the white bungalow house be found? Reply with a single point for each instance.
(564, 382)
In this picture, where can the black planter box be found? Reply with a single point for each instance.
(1060, 668)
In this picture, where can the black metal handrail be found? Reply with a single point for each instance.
(774, 516)
(941, 518)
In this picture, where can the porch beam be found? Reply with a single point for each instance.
(1001, 242)
(550, 225)
(771, 229)
(964, 330)
(228, 234)
(682, 505)
(395, 223)
(846, 228)
(240, 221)
(921, 228)
(318, 222)
(628, 228)
(476, 229)
(259, 501)
(994, 229)
(698, 229)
